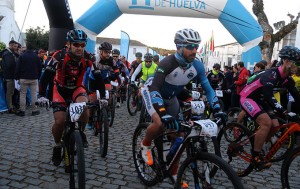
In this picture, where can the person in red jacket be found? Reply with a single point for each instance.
(243, 77)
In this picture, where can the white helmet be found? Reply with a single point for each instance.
(187, 36)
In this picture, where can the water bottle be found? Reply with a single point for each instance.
(174, 148)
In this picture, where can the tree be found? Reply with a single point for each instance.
(38, 37)
(2, 46)
(269, 38)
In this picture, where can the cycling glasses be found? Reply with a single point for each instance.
(191, 46)
(116, 56)
(79, 45)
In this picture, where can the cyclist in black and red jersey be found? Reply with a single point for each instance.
(70, 67)
(259, 89)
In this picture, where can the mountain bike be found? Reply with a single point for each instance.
(72, 144)
(237, 141)
(100, 124)
(133, 100)
(195, 171)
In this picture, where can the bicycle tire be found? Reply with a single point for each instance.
(103, 131)
(148, 175)
(112, 109)
(232, 152)
(132, 110)
(290, 179)
(77, 160)
(205, 161)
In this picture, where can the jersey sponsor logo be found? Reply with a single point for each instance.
(190, 75)
(160, 70)
(175, 74)
(248, 105)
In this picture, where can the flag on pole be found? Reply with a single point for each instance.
(124, 44)
(212, 42)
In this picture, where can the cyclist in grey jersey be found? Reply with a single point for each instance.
(159, 94)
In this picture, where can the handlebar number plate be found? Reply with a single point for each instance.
(75, 110)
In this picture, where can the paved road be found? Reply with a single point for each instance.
(26, 148)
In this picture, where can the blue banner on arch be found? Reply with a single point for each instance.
(124, 44)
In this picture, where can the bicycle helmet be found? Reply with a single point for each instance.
(290, 53)
(76, 35)
(115, 51)
(138, 55)
(148, 57)
(105, 46)
(156, 58)
(187, 36)
(217, 66)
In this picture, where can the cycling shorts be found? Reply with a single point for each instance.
(61, 94)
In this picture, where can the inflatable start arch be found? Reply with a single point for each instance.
(231, 13)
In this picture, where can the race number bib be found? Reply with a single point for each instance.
(197, 107)
(209, 128)
(195, 95)
(219, 93)
(75, 110)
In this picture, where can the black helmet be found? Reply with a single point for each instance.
(217, 66)
(289, 52)
(76, 35)
(138, 55)
(115, 51)
(148, 57)
(187, 36)
(105, 46)
(156, 58)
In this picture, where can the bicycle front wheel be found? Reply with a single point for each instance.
(290, 170)
(77, 162)
(132, 102)
(112, 109)
(103, 124)
(195, 173)
(149, 175)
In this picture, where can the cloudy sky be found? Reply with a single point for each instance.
(157, 31)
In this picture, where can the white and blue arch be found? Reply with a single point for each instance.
(231, 13)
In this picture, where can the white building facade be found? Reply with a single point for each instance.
(8, 26)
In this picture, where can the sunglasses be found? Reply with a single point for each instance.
(107, 52)
(116, 56)
(192, 46)
(148, 61)
(79, 45)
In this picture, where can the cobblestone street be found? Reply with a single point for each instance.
(26, 149)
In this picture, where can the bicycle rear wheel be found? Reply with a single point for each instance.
(103, 130)
(290, 170)
(132, 102)
(194, 173)
(149, 175)
(236, 144)
(77, 162)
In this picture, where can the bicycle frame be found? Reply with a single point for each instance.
(192, 134)
(292, 127)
